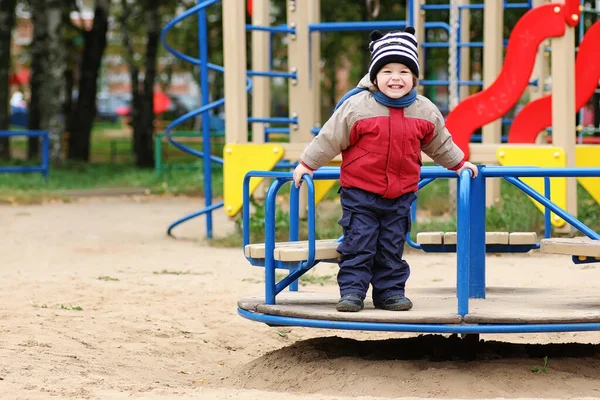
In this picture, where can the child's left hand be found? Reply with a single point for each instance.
(468, 165)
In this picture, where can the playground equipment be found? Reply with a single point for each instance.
(476, 311)
(44, 167)
(503, 88)
(469, 310)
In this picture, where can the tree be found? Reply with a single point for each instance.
(7, 22)
(142, 86)
(84, 113)
(47, 74)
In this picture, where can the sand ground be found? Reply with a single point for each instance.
(98, 303)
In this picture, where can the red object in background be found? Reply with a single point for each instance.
(537, 115)
(250, 7)
(21, 77)
(162, 102)
(484, 107)
(572, 9)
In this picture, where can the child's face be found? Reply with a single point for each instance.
(394, 80)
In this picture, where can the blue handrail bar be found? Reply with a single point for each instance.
(272, 29)
(273, 74)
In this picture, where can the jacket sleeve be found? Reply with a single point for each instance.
(333, 138)
(441, 148)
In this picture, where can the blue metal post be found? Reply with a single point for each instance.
(463, 245)
(203, 42)
(477, 239)
(46, 154)
(294, 219)
(270, 290)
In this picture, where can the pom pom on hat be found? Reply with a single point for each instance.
(375, 35)
(398, 47)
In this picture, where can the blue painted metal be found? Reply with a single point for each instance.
(209, 209)
(44, 167)
(470, 249)
(272, 29)
(355, 26)
(463, 242)
(274, 120)
(420, 328)
(547, 213)
(200, 11)
(206, 150)
(477, 230)
(273, 74)
(270, 289)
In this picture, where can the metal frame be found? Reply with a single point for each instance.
(470, 250)
(44, 167)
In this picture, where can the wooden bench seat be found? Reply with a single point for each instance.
(571, 246)
(326, 249)
(496, 238)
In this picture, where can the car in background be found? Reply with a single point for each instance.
(109, 104)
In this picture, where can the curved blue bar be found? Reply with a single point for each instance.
(193, 215)
(175, 21)
(205, 66)
(419, 328)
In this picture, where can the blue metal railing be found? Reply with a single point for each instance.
(44, 167)
(470, 243)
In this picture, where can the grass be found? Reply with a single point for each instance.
(107, 278)
(543, 369)
(167, 272)
(71, 308)
(32, 188)
(111, 167)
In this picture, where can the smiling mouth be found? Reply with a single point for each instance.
(396, 87)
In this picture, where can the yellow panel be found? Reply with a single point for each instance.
(551, 157)
(238, 159)
(322, 187)
(588, 155)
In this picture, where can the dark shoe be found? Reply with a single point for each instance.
(395, 303)
(350, 303)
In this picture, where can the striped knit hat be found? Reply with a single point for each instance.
(394, 47)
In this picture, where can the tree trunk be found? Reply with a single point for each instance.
(85, 111)
(47, 75)
(7, 22)
(144, 133)
(142, 111)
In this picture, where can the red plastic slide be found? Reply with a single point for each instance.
(537, 115)
(490, 104)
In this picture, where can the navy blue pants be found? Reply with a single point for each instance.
(375, 230)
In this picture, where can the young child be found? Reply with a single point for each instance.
(381, 132)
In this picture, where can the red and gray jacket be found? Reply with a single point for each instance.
(381, 146)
